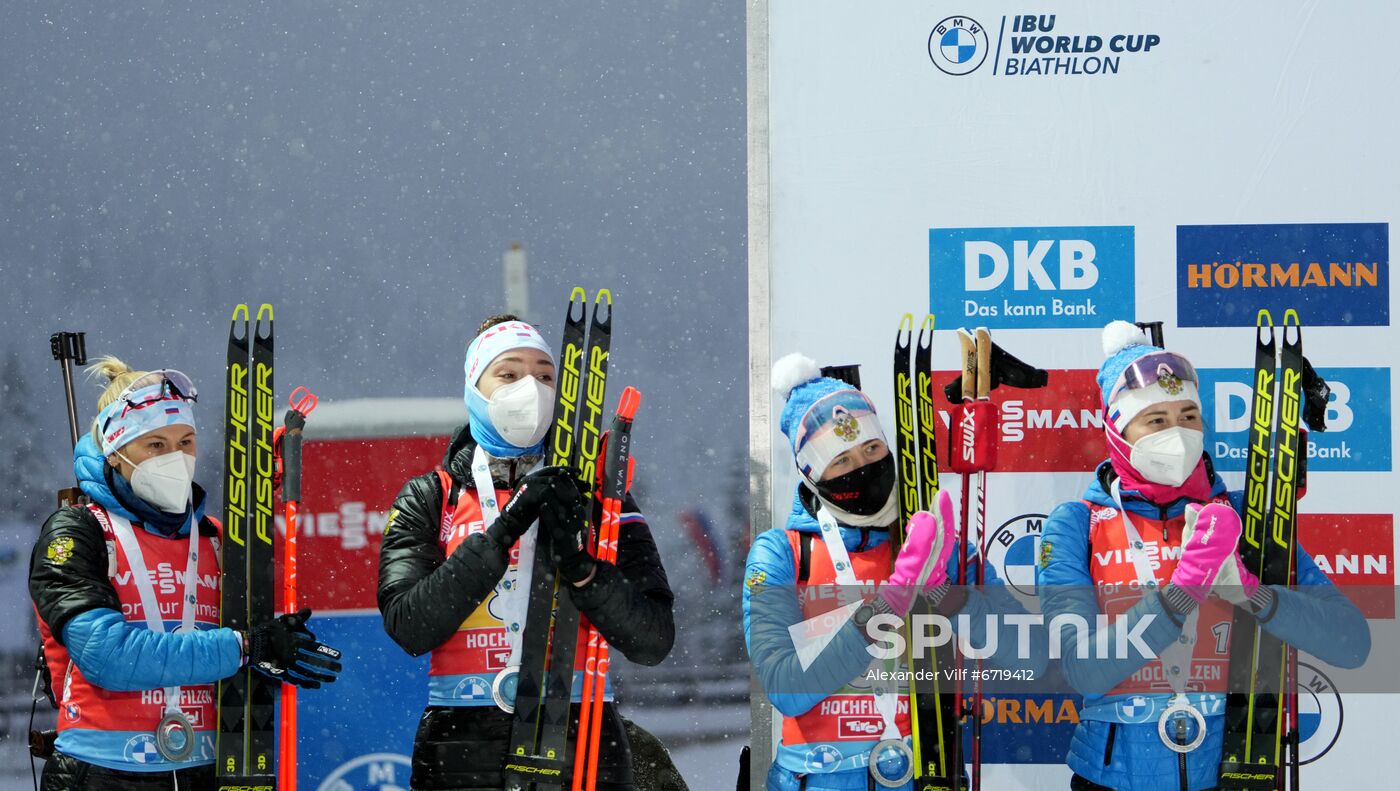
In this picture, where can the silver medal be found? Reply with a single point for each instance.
(1182, 728)
(503, 688)
(175, 737)
(891, 763)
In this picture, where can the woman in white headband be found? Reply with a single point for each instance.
(127, 592)
(452, 582)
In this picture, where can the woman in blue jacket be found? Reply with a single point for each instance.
(836, 541)
(1157, 518)
(126, 588)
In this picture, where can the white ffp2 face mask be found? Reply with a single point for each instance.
(164, 481)
(1168, 456)
(521, 411)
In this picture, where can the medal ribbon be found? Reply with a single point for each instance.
(122, 529)
(886, 697)
(513, 585)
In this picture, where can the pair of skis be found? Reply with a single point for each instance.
(933, 716)
(1261, 712)
(257, 461)
(247, 699)
(538, 751)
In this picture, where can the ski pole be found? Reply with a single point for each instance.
(617, 477)
(286, 443)
(984, 393)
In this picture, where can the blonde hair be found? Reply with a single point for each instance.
(119, 376)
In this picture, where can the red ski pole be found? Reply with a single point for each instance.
(617, 477)
(286, 444)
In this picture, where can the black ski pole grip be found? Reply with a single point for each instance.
(291, 457)
(850, 374)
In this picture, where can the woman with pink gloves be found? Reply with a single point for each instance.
(1156, 518)
(812, 589)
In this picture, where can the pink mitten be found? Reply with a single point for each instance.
(1210, 544)
(1235, 583)
(923, 560)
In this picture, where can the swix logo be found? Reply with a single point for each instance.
(859, 727)
(1032, 277)
(1227, 273)
(1356, 440)
(969, 429)
(1057, 428)
(1357, 552)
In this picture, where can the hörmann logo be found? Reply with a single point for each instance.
(1034, 45)
(1032, 277)
(1336, 274)
(1356, 440)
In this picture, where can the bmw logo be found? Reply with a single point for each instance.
(1319, 713)
(822, 759)
(1013, 550)
(373, 772)
(958, 45)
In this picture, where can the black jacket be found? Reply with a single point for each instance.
(425, 596)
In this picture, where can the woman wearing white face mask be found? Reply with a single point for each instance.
(1157, 518)
(450, 568)
(127, 593)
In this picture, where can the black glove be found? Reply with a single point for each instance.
(285, 650)
(523, 508)
(567, 522)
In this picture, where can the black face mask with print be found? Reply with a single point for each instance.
(863, 491)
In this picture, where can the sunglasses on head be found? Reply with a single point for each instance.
(174, 386)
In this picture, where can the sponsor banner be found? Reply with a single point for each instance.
(1357, 438)
(352, 751)
(350, 488)
(1056, 428)
(1333, 274)
(1033, 729)
(1023, 278)
(1357, 551)
(1037, 46)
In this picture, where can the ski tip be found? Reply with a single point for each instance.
(240, 311)
(603, 295)
(1290, 316)
(631, 400)
(265, 311)
(927, 326)
(1264, 319)
(906, 323)
(578, 294)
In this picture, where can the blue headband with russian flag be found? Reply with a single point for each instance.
(121, 422)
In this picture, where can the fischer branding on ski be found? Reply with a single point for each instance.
(1259, 703)
(244, 744)
(538, 751)
(933, 717)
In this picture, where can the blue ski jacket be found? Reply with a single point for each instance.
(1116, 743)
(770, 573)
